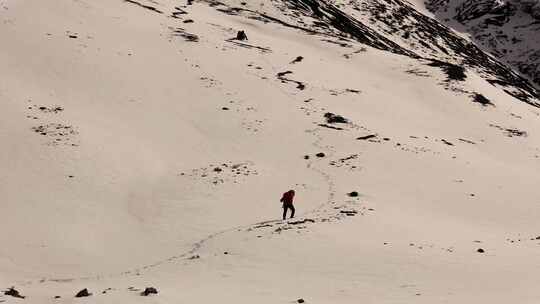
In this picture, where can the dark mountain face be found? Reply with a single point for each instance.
(396, 26)
(506, 29)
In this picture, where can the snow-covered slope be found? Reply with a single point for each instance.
(390, 25)
(143, 146)
(508, 29)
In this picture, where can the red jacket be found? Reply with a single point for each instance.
(287, 197)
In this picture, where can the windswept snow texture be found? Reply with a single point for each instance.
(507, 29)
(145, 149)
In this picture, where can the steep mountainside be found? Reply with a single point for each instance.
(508, 29)
(391, 25)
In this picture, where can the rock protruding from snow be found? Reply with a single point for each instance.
(149, 291)
(14, 293)
(83, 293)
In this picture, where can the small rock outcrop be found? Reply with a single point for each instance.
(14, 293)
(241, 35)
(148, 291)
(334, 118)
(83, 293)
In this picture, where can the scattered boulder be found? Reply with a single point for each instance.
(481, 99)
(14, 293)
(297, 59)
(83, 293)
(353, 194)
(333, 118)
(300, 301)
(320, 154)
(241, 35)
(281, 74)
(148, 291)
(480, 250)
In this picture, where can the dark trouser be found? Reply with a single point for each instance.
(285, 207)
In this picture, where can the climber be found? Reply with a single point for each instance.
(287, 200)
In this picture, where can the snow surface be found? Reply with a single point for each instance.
(140, 150)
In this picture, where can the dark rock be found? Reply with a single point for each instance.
(241, 35)
(306, 156)
(320, 154)
(297, 59)
(14, 293)
(453, 71)
(480, 250)
(481, 99)
(353, 194)
(333, 118)
(300, 301)
(83, 293)
(299, 84)
(366, 137)
(148, 291)
(515, 132)
(281, 74)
